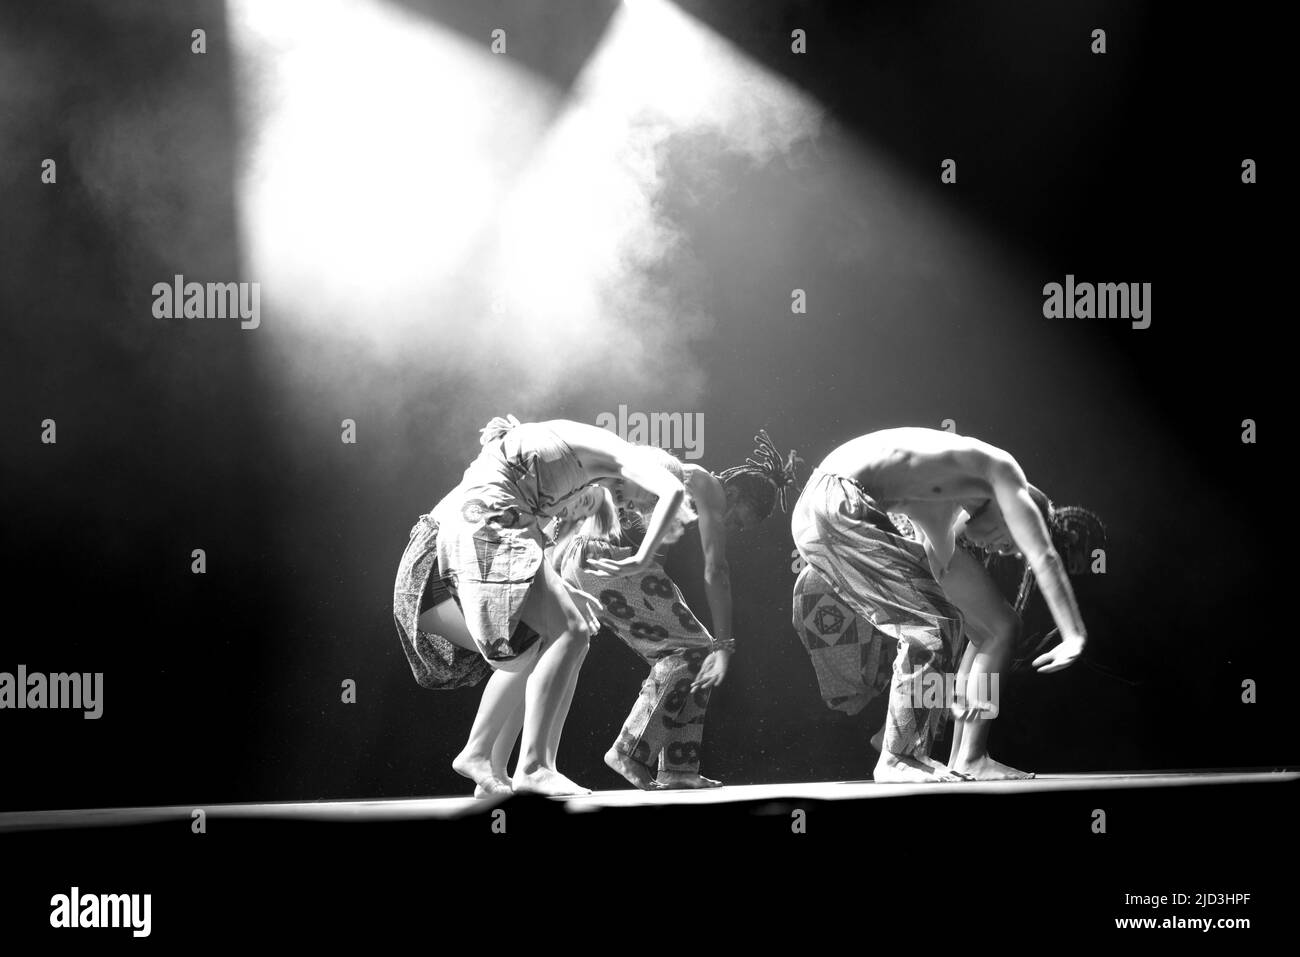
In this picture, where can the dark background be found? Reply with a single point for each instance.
(172, 436)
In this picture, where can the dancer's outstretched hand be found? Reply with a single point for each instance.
(587, 603)
(712, 671)
(1062, 656)
(617, 567)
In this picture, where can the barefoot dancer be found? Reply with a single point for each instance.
(648, 613)
(474, 597)
(945, 485)
(853, 660)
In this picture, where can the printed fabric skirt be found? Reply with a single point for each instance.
(421, 583)
(868, 581)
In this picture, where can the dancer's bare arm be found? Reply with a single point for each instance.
(1032, 538)
(937, 466)
(711, 502)
(604, 454)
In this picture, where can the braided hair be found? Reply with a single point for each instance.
(765, 478)
(1075, 531)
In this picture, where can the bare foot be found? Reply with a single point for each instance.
(637, 774)
(682, 779)
(944, 772)
(893, 768)
(546, 781)
(986, 769)
(479, 770)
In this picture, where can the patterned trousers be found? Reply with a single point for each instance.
(867, 577)
(649, 615)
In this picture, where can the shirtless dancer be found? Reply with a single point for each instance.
(919, 593)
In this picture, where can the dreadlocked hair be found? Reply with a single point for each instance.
(1075, 531)
(765, 478)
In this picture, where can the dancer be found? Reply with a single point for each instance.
(473, 596)
(853, 660)
(946, 485)
(649, 614)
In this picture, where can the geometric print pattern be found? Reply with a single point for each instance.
(852, 660)
(865, 577)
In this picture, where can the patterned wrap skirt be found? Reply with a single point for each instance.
(868, 586)
(435, 662)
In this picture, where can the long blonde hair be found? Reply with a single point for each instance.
(594, 535)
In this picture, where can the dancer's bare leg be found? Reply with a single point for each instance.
(505, 744)
(557, 729)
(502, 696)
(993, 632)
(510, 734)
(551, 611)
(958, 725)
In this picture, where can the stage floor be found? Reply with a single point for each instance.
(452, 807)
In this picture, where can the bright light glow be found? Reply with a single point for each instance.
(586, 260)
(404, 191)
(379, 147)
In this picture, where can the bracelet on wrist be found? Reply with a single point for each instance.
(722, 644)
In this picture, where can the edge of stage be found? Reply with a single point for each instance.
(1061, 854)
(743, 797)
